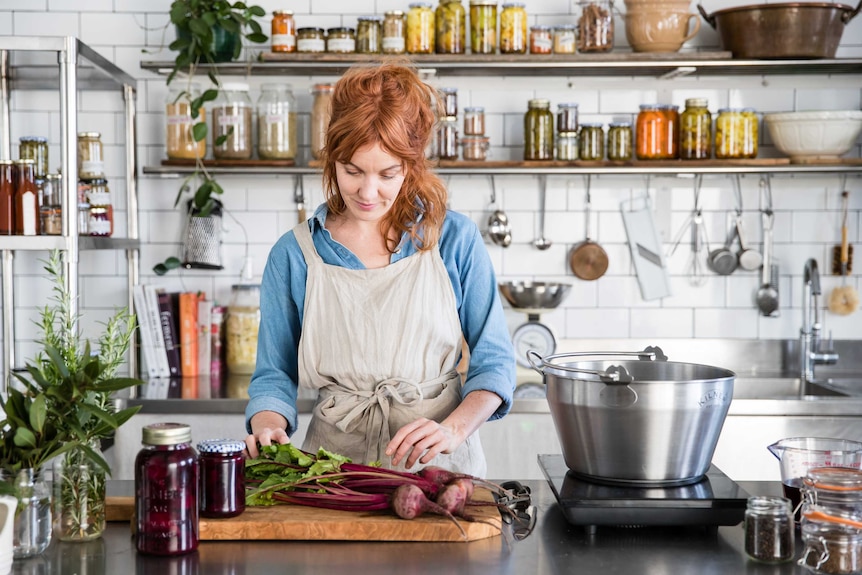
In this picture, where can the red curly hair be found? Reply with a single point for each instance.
(388, 105)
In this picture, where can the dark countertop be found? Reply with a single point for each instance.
(554, 547)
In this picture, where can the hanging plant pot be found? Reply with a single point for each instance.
(226, 45)
(202, 238)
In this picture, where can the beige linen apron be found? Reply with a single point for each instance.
(380, 346)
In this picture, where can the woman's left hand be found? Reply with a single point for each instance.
(421, 440)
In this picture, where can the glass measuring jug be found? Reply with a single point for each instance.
(797, 455)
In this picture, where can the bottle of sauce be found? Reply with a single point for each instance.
(7, 198)
(27, 212)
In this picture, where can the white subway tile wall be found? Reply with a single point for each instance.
(260, 209)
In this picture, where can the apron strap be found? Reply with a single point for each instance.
(306, 244)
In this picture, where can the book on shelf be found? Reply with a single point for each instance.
(205, 308)
(189, 333)
(155, 324)
(168, 314)
(145, 331)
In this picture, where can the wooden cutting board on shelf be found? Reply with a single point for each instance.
(300, 523)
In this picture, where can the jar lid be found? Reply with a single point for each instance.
(310, 29)
(567, 105)
(620, 125)
(282, 12)
(769, 504)
(340, 30)
(649, 106)
(591, 125)
(541, 28)
(6, 162)
(36, 139)
(370, 18)
(394, 13)
(53, 176)
(83, 206)
(448, 90)
(474, 109)
(419, 5)
(25, 161)
(831, 516)
(696, 103)
(93, 181)
(514, 5)
(96, 135)
(450, 118)
(565, 27)
(539, 103)
(730, 110)
(483, 2)
(323, 88)
(667, 107)
(166, 433)
(567, 135)
(834, 479)
(221, 446)
(275, 87)
(235, 87)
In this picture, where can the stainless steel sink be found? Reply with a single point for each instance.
(794, 387)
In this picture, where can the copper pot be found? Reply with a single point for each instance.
(776, 31)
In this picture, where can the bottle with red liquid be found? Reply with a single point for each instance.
(7, 198)
(166, 490)
(222, 477)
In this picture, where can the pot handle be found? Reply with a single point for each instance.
(614, 374)
(710, 18)
(847, 16)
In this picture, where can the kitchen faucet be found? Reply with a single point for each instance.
(810, 353)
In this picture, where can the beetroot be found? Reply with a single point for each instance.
(454, 497)
(409, 502)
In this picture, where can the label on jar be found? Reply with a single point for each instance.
(274, 119)
(30, 214)
(99, 225)
(91, 168)
(179, 120)
(311, 45)
(283, 40)
(564, 42)
(341, 45)
(394, 44)
(542, 45)
(230, 120)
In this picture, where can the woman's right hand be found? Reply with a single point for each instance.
(267, 428)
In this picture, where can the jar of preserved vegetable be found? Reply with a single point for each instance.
(657, 132)
(222, 477)
(474, 121)
(513, 28)
(450, 23)
(475, 148)
(51, 212)
(101, 220)
(341, 40)
(421, 29)
(769, 529)
(539, 130)
(91, 156)
(320, 114)
(591, 142)
(541, 40)
(283, 31)
(483, 26)
(35, 148)
(83, 219)
(567, 146)
(596, 26)
(243, 321)
(166, 490)
(449, 97)
(831, 541)
(276, 122)
(736, 133)
(369, 34)
(231, 117)
(834, 487)
(695, 130)
(394, 32)
(620, 141)
(181, 144)
(447, 138)
(310, 40)
(567, 117)
(564, 39)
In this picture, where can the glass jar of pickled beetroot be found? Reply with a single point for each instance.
(222, 477)
(166, 490)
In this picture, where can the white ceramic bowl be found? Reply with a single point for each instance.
(814, 135)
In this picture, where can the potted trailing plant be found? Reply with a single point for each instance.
(65, 407)
(208, 32)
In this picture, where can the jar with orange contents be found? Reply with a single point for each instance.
(283, 31)
(657, 132)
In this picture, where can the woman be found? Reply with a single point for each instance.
(370, 300)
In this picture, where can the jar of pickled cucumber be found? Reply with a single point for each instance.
(513, 28)
(341, 40)
(695, 130)
(394, 32)
(243, 321)
(736, 133)
(450, 23)
(420, 29)
(483, 26)
(591, 142)
(369, 34)
(620, 141)
(539, 131)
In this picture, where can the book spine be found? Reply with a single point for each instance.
(161, 356)
(167, 317)
(188, 333)
(145, 331)
(204, 340)
(217, 337)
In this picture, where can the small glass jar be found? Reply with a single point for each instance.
(394, 32)
(310, 40)
(449, 97)
(27, 218)
(769, 529)
(567, 117)
(166, 491)
(320, 114)
(101, 221)
(475, 148)
(541, 40)
(222, 477)
(30, 531)
(474, 121)
(91, 157)
(421, 30)
(283, 31)
(834, 487)
(596, 26)
(181, 144)
(695, 130)
(736, 133)
(657, 132)
(539, 130)
(567, 146)
(83, 219)
(447, 138)
(276, 122)
(450, 25)
(591, 142)
(620, 141)
(483, 26)
(565, 39)
(513, 28)
(35, 148)
(831, 541)
(369, 35)
(341, 40)
(52, 190)
(51, 212)
(232, 123)
(243, 321)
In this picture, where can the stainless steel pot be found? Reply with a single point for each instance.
(786, 30)
(647, 422)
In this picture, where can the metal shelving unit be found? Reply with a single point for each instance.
(78, 67)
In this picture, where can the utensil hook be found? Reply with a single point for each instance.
(493, 189)
(587, 206)
(765, 194)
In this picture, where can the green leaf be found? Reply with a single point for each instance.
(209, 95)
(209, 18)
(99, 414)
(199, 131)
(258, 38)
(257, 11)
(202, 194)
(255, 27)
(117, 383)
(38, 413)
(24, 438)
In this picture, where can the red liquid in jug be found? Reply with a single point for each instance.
(793, 492)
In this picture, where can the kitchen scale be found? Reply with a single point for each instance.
(713, 501)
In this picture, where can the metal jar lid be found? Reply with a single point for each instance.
(166, 434)
(221, 446)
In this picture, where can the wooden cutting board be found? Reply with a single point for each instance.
(300, 523)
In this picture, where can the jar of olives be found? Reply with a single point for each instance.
(539, 131)
(420, 29)
(736, 133)
(483, 26)
(369, 34)
(513, 28)
(695, 130)
(450, 22)
(394, 32)
(591, 142)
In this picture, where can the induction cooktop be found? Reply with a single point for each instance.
(713, 501)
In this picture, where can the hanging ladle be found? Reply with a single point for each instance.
(499, 229)
(542, 242)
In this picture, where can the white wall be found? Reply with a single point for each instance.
(807, 207)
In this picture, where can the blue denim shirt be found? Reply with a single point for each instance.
(282, 303)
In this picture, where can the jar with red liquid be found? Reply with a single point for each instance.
(222, 477)
(166, 490)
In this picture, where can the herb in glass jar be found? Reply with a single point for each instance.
(539, 131)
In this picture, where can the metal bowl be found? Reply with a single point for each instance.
(534, 295)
